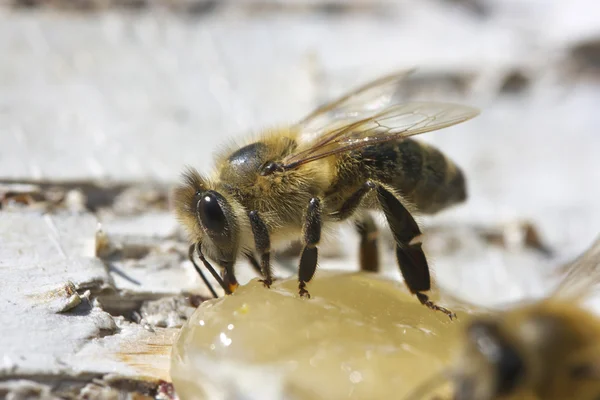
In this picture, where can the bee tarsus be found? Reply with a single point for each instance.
(266, 283)
(311, 236)
(302, 290)
(424, 299)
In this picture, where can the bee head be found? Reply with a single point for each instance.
(493, 367)
(210, 217)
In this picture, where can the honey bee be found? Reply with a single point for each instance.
(548, 349)
(348, 156)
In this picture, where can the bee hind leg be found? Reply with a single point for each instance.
(311, 236)
(262, 242)
(410, 255)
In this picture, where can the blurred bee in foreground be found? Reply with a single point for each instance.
(546, 350)
(346, 157)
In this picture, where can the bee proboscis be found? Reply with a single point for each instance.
(348, 156)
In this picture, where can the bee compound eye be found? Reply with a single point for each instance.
(499, 353)
(510, 368)
(211, 213)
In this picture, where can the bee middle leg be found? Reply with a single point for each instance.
(311, 236)
(368, 254)
(262, 242)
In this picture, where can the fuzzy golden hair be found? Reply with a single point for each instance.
(184, 197)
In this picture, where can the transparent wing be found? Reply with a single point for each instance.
(394, 122)
(358, 104)
(582, 276)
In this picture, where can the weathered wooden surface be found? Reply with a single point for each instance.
(111, 105)
(53, 326)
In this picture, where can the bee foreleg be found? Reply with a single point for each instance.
(410, 256)
(262, 242)
(311, 235)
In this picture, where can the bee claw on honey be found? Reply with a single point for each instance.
(431, 305)
(266, 282)
(450, 314)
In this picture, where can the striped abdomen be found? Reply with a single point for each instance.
(420, 172)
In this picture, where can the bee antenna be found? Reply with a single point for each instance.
(429, 385)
